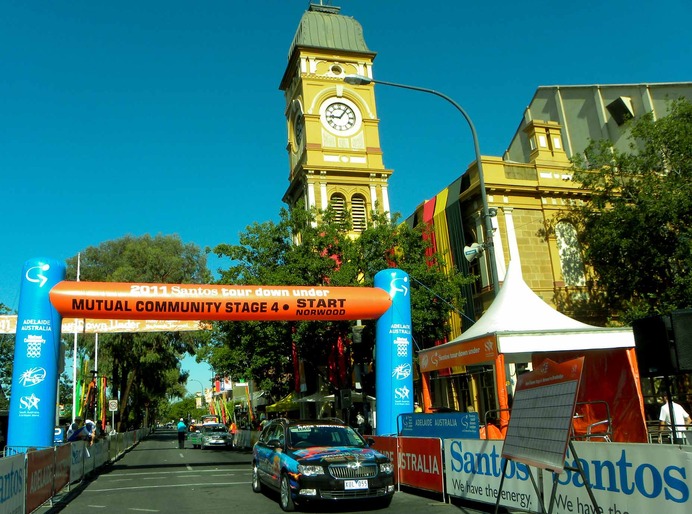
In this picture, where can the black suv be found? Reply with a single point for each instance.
(322, 460)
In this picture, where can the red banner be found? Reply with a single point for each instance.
(417, 460)
(63, 460)
(39, 483)
(420, 463)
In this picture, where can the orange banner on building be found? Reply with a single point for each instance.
(119, 300)
(467, 353)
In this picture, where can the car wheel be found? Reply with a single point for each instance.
(256, 484)
(285, 498)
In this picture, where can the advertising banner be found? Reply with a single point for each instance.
(76, 461)
(625, 478)
(121, 300)
(39, 472)
(36, 358)
(420, 463)
(394, 352)
(445, 425)
(13, 484)
(634, 478)
(63, 458)
(8, 325)
(473, 469)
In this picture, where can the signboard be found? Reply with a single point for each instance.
(447, 425)
(542, 414)
(394, 352)
(120, 300)
(37, 346)
(477, 351)
(8, 325)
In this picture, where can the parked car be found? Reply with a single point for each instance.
(194, 435)
(215, 435)
(324, 460)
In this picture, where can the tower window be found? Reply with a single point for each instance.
(358, 213)
(338, 203)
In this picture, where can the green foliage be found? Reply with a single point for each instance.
(6, 360)
(142, 368)
(182, 409)
(306, 249)
(636, 231)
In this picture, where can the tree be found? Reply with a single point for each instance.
(142, 368)
(636, 229)
(6, 360)
(316, 249)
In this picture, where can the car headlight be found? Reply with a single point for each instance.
(310, 471)
(387, 467)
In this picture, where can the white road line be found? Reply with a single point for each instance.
(144, 510)
(214, 484)
(117, 476)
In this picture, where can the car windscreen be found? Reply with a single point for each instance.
(307, 436)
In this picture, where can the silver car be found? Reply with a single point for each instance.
(215, 435)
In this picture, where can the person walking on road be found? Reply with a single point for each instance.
(182, 431)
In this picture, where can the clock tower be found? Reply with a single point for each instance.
(333, 138)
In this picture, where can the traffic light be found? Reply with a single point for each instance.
(346, 400)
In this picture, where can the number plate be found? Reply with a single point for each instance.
(355, 484)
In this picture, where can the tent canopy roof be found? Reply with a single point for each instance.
(521, 323)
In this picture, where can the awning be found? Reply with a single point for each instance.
(287, 403)
(356, 396)
(316, 397)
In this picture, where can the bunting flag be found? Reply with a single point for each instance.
(250, 411)
(103, 403)
(296, 366)
(222, 406)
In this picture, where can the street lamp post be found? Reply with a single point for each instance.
(201, 385)
(488, 244)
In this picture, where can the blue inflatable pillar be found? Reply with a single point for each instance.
(36, 354)
(393, 353)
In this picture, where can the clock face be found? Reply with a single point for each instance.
(298, 130)
(340, 116)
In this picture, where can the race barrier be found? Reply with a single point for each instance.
(34, 476)
(626, 478)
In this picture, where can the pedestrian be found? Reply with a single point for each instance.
(182, 431)
(360, 422)
(90, 432)
(680, 417)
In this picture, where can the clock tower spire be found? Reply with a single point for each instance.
(333, 137)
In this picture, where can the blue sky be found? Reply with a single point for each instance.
(151, 117)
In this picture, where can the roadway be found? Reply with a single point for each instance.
(157, 477)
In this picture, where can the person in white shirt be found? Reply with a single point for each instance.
(680, 417)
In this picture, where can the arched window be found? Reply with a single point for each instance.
(358, 213)
(571, 262)
(338, 203)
